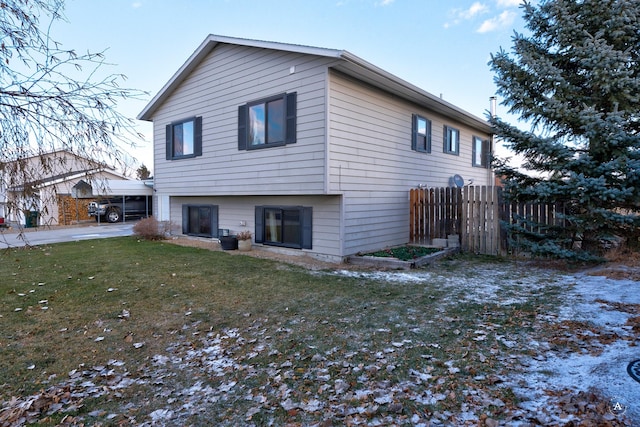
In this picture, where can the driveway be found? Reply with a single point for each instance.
(47, 235)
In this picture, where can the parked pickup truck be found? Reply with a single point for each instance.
(113, 209)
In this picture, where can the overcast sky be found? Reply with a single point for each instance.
(441, 46)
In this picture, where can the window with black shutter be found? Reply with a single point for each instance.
(421, 134)
(451, 140)
(184, 139)
(287, 226)
(200, 220)
(269, 122)
(481, 152)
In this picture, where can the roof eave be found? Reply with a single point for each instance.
(206, 47)
(348, 63)
(363, 70)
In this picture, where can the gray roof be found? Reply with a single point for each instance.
(346, 63)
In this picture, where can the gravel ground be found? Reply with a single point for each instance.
(297, 258)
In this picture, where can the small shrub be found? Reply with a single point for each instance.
(152, 229)
(244, 235)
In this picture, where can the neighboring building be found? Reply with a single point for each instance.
(309, 148)
(51, 189)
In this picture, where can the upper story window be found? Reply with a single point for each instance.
(267, 122)
(451, 140)
(421, 134)
(184, 138)
(481, 156)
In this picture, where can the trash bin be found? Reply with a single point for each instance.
(31, 219)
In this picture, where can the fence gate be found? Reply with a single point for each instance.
(472, 213)
(475, 214)
(435, 213)
(481, 214)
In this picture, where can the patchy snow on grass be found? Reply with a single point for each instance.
(605, 370)
(559, 342)
(594, 300)
(480, 285)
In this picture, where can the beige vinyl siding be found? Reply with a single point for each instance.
(231, 76)
(371, 162)
(234, 209)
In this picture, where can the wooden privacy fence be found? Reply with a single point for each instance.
(474, 215)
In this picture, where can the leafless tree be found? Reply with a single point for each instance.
(54, 102)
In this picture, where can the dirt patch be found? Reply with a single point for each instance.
(300, 259)
(617, 271)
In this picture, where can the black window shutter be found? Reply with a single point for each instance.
(487, 153)
(185, 219)
(307, 227)
(214, 221)
(169, 142)
(242, 127)
(473, 152)
(291, 105)
(197, 137)
(445, 138)
(414, 132)
(428, 137)
(259, 224)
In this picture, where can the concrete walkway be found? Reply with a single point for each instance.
(46, 235)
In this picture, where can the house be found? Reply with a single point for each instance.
(46, 193)
(309, 148)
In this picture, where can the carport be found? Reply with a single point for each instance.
(122, 189)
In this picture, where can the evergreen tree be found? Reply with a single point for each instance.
(575, 79)
(143, 172)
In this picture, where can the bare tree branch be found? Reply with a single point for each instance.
(54, 100)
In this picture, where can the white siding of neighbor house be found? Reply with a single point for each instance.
(234, 209)
(228, 77)
(372, 164)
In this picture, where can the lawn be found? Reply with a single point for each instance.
(122, 331)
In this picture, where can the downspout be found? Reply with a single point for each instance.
(149, 183)
(493, 101)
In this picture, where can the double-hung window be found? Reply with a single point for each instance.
(268, 122)
(200, 220)
(184, 138)
(451, 140)
(421, 134)
(287, 226)
(481, 156)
